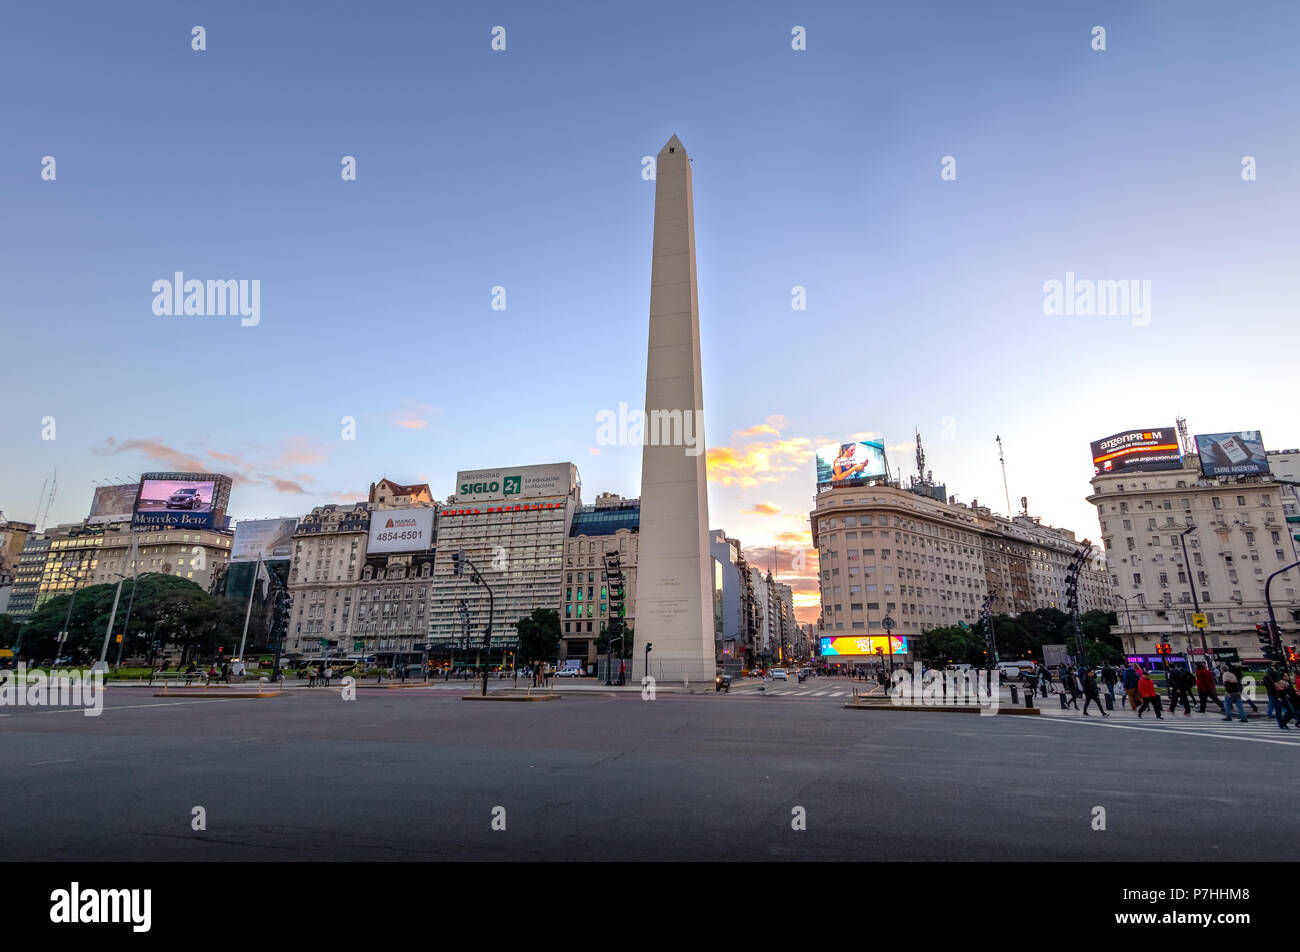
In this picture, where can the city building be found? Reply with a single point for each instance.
(13, 535)
(603, 541)
(512, 524)
(27, 575)
(926, 562)
(329, 555)
(1236, 535)
(1285, 466)
(731, 575)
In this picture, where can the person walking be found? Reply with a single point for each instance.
(1045, 674)
(1132, 675)
(1109, 676)
(1288, 700)
(1092, 694)
(1070, 690)
(1205, 687)
(1232, 695)
(1179, 684)
(1147, 691)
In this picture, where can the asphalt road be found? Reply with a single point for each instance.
(417, 773)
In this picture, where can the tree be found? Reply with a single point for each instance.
(8, 630)
(622, 648)
(174, 608)
(539, 635)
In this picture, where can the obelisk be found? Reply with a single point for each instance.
(674, 592)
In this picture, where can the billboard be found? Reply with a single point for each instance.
(863, 644)
(515, 482)
(264, 538)
(839, 463)
(1150, 449)
(1232, 454)
(181, 500)
(113, 503)
(400, 530)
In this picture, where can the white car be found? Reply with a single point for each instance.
(779, 674)
(570, 673)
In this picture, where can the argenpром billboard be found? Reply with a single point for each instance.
(842, 462)
(400, 530)
(1154, 448)
(1232, 454)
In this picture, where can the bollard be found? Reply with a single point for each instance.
(1110, 703)
(1015, 698)
(1029, 700)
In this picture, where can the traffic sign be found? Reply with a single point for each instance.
(324, 642)
(1198, 620)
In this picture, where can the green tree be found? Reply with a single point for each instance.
(8, 630)
(539, 635)
(623, 650)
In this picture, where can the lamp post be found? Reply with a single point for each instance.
(648, 646)
(1128, 617)
(459, 561)
(67, 620)
(1191, 582)
(1273, 631)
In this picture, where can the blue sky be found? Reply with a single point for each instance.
(522, 169)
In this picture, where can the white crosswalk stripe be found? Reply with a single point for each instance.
(1255, 731)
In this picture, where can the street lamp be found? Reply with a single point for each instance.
(1128, 616)
(648, 646)
(1273, 632)
(67, 620)
(1191, 583)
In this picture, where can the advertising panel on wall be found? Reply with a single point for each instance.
(863, 644)
(842, 462)
(400, 530)
(1154, 448)
(265, 538)
(1232, 454)
(515, 482)
(181, 500)
(113, 503)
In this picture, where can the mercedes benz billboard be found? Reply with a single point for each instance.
(1232, 454)
(1150, 449)
(181, 500)
(842, 462)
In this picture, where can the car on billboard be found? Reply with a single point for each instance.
(190, 498)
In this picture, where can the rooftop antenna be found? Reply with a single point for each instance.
(39, 500)
(1184, 440)
(1002, 460)
(920, 457)
(1024, 505)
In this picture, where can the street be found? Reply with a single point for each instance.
(417, 773)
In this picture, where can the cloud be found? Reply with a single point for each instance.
(763, 509)
(412, 424)
(413, 415)
(595, 452)
(756, 463)
(757, 430)
(157, 451)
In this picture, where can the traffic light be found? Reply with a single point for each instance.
(1164, 648)
(457, 564)
(1266, 640)
(1292, 655)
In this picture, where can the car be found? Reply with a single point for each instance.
(570, 673)
(780, 674)
(722, 682)
(185, 499)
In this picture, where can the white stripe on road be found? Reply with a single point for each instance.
(819, 694)
(1175, 730)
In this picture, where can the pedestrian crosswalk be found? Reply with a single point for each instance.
(770, 691)
(1256, 730)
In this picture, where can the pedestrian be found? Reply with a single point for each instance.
(1287, 694)
(1045, 673)
(1070, 690)
(622, 674)
(1092, 694)
(1271, 675)
(1232, 695)
(1178, 680)
(1235, 670)
(1205, 687)
(1132, 675)
(1110, 676)
(1147, 691)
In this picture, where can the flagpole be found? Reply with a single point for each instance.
(252, 590)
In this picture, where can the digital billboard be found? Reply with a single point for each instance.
(863, 644)
(264, 538)
(400, 530)
(1150, 449)
(1232, 454)
(839, 463)
(180, 500)
(515, 482)
(113, 503)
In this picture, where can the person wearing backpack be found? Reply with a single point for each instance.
(1232, 695)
